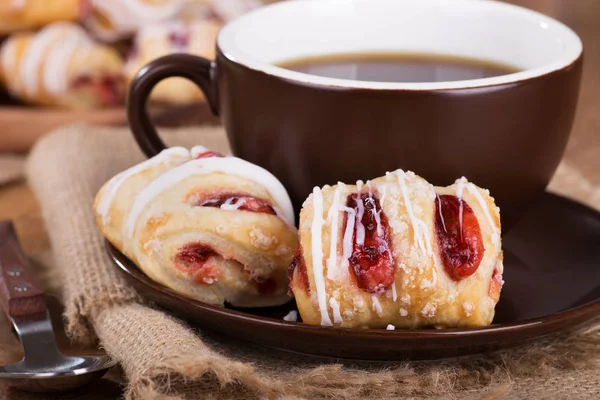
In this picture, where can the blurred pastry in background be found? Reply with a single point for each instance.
(227, 10)
(154, 41)
(111, 20)
(222, 10)
(62, 66)
(18, 15)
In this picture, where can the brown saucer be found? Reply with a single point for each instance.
(552, 273)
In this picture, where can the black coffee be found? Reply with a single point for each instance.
(398, 67)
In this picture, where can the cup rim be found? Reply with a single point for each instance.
(225, 41)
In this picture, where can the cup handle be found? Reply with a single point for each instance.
(197, 69)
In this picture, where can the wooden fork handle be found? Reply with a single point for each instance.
(20, 293)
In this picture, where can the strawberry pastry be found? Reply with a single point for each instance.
(397, 250)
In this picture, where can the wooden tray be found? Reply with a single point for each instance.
(22, 125)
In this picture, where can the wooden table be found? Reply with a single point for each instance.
(18, 203)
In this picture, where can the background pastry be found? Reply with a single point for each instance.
(62, 66)
(217, 229)
(153, 41)
(112, 20)
(28, 14)
(227, 10)
(399, 251)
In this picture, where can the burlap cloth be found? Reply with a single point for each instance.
(162, 357)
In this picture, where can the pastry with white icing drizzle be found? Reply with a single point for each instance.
(228, 10)
(216, 229)
(18, 15)
(153, 41)
(111, 20)
(398, 251)
(62, 66)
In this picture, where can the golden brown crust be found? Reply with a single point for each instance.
(210, 253)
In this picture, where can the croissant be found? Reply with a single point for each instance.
(398, 251)
(111, 20)
(154, 41)
(61, 66)
(29, 14)
(216, 229)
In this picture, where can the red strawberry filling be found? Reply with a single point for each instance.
(371, 260)
(459, 237)
(495, 285)
(236, 201)
(207, 154)
(301, 279)
(194, 260)
(179, 39)
(108, 89)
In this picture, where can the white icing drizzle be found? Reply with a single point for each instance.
(439, 201)
(390, 327)
(152, 11)
(359, 185)
(232, 205)
(394, 292)
(155, 31)
(459, 194)
(51, 49)
(360, 228)
(335, 307)
(57, 62)
(484, 207)
(230, 9)
(419, 226)
(126, 16)
(347, 244)
(317, 255)
(112, 187)
(377, 305)
(34, 55)
(227, 165)
(333, 215)
(375, 211)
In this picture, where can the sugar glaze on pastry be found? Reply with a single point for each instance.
(397, 250)
(217, 229)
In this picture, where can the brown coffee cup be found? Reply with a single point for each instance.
(505, 133)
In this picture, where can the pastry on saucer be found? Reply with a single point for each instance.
(398, 251)
(217, 229)
(62, 66)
